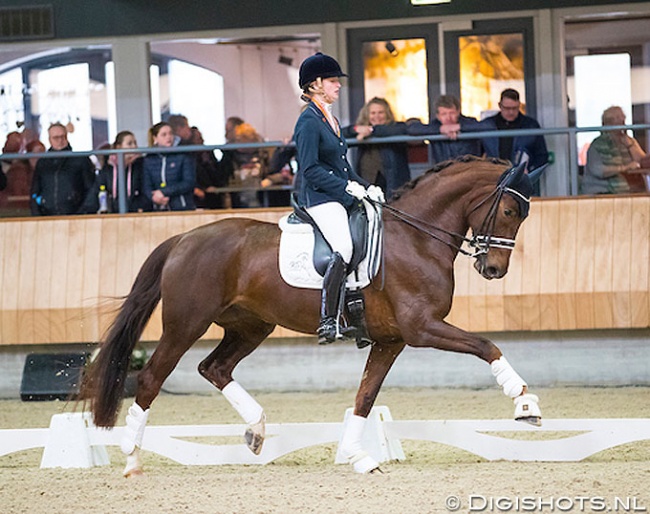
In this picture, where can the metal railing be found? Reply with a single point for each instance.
(570, 132)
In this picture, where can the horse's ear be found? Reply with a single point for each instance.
(512, 176)
(515, 182)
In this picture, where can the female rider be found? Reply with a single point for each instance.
(326, 184)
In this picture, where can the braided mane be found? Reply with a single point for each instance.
(444, 165)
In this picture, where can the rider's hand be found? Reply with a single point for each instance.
(376, 194)
(355, 189)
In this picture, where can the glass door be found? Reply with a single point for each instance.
(396, 63)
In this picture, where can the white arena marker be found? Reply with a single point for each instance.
(68, 443)
(73, 441)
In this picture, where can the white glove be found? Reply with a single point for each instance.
(376, 194)
(355, 189)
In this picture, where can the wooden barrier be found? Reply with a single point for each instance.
(579, 263)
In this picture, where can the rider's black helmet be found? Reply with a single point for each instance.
(318, 65)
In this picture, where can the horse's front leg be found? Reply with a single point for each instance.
(443, 336)
(379, 362)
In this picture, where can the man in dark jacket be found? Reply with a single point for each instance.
(531, 149)
(449, 122)
(60, 185)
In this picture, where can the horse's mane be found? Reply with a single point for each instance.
(443, 166)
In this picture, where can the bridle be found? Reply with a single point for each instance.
(483, 241)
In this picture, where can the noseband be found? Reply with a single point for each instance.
(483, 241)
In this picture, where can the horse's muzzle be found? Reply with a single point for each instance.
(488, 270)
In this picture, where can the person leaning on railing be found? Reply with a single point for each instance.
(610, 157)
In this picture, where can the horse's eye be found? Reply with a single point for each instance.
(509, 213)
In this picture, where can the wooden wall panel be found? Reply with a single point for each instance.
(549, 265)
(640, 254)
(578, 264)
(26, 286)
(567, 264)
(585, 263)
(45, 268)
(91, 272)
(10, 290)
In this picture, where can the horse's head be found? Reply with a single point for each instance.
(495, 221)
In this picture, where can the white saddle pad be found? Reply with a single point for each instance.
(297, 247)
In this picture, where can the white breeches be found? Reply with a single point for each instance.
(332, 220)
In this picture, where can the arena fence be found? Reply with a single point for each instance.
(73, 442)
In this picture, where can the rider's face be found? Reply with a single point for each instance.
(331, 88)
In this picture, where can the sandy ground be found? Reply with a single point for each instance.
(432, 477)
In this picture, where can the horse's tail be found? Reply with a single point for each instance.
(104, 380)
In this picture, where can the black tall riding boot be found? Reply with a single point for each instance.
(333, 282)
(357, 317)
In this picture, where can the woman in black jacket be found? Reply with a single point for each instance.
(385, 165)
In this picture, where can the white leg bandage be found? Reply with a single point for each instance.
(136, 421)
(352, 449)
(250, 411)
(507, 378)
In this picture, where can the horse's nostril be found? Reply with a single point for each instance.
(491, 272)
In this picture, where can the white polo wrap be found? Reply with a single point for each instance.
(136, 421)
(250, 411)
(507, 378)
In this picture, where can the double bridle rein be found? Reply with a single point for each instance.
(483, 241)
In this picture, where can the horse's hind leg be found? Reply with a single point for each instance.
(217, 368)
(173, 344)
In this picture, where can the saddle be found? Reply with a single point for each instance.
(304, 253)
(358, 221)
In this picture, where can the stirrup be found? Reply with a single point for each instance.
(362, 337)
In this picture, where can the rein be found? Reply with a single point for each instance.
(481, 242)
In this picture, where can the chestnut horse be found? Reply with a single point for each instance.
(227, 273)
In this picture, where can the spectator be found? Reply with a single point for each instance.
(181, 129)
(610, 157)
(61, 184)
(385, 165)
(281, 170)
(530, 149)
(136, 199)
(13, 144)
(169, 178)
(19, 180)
(231, 124)
(209, 176)
(246, 166)
(34, 146)
(449, 122)
(227, 160)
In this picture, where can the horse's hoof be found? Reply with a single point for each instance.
(531, 420)
(254, 441)
(254, 436)
(134, 473)
(364, 464)
(376, 471)
(527, 409)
